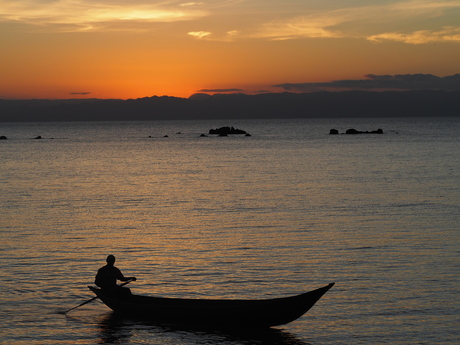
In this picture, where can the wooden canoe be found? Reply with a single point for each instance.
(214, 312)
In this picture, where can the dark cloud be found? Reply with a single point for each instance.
(382, 82)
(80, 93)
(221, 90)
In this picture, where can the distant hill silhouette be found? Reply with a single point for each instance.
(238, 106)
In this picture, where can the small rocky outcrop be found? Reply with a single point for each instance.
(3, 137)
(354, 131)
(227, 131)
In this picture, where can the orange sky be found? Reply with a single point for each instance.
(107, 49)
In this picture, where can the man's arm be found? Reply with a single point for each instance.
(121, 277)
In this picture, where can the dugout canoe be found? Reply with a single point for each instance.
(214, 312)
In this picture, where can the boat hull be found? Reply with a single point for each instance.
(212, 312)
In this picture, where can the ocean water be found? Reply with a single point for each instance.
(286, 210)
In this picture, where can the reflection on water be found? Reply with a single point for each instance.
(112, 330)
(116, 329)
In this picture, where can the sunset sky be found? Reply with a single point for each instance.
(138, 48)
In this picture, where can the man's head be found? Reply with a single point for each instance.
(110, 260)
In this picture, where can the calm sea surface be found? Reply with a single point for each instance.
(287, 210)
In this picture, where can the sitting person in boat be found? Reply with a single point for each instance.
(107, 276)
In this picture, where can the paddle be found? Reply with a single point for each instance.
(92, 299)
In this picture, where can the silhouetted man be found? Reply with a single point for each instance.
(107, 276)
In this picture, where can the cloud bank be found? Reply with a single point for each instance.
(358, 22)
(447, 34)
(86, 15)
(84, 93)
(199, 34)
(220, 90)
(231, 20)
(381, 82)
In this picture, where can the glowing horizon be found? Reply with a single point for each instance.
(109, 49)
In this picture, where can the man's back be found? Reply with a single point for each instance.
(107, 276)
